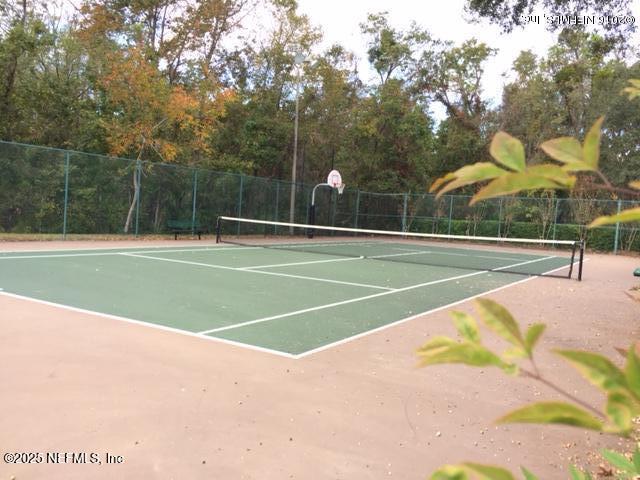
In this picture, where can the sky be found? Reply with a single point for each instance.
(445, 20)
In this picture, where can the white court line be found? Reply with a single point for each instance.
(93, 249)
(301, 263)
(277, 274)
(435, 252)
(413, 317)
(359, 299)
(148, 324)
(117, 252)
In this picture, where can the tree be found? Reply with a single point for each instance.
(510, 14)
(392, 51)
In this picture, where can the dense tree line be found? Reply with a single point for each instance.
(190, 83)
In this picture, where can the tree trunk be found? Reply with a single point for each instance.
(134, 201)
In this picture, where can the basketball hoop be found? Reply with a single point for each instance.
(334, 180)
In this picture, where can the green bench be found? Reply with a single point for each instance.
(185, 226)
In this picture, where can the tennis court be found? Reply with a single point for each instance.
(295, 299)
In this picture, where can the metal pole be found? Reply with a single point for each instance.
(450, 213)
(499, 216)
(404, 211)
(357, 208)
(240, 201)
(555, 217)
(193, 207)
(66, 196)
(617, 236)
(292, 203)
(275, 219)
(139, 176)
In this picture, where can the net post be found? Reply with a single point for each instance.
(581, 260)
(218, 230)
(573, 257)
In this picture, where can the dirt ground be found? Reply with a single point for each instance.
(168, 406)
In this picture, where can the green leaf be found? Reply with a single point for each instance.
(599, 370)
(552, 172)
(508, 151)
(450, 472)
(591, 147)
(636, 459)
(527, 180)
(619, 461)
(632, 371)
(621, 409)
(469, 174)
(566, 150)
(515, 352)
(467, 326)
(498, 319)
(527, 474)
(553, 412)
(578, 474)
(489, 472)
(533, 335)
(445, 350)
(629, 215)
(441, 181)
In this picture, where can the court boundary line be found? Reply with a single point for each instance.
(144, 323)
(359, 299)
(116, 251)
(417, 315)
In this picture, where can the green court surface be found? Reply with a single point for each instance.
(291, 303)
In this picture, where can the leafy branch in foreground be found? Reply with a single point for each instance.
(620, 386)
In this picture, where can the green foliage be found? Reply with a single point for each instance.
(621, 386)
(471, 471)
(553, 413)
(628, 468)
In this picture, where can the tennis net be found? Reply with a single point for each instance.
(544, 257)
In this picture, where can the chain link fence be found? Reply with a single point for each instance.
(51, 191)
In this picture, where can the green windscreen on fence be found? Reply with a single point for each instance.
(52, 191)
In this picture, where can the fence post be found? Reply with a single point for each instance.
(239, 209)
(275, 219)
(555, 216)
(139, 178)
(500, 216)
(193, 203)
(357, 208)
(334, 206)
(66, 196)
(617, 236)
(450, 213)
(404, 211)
